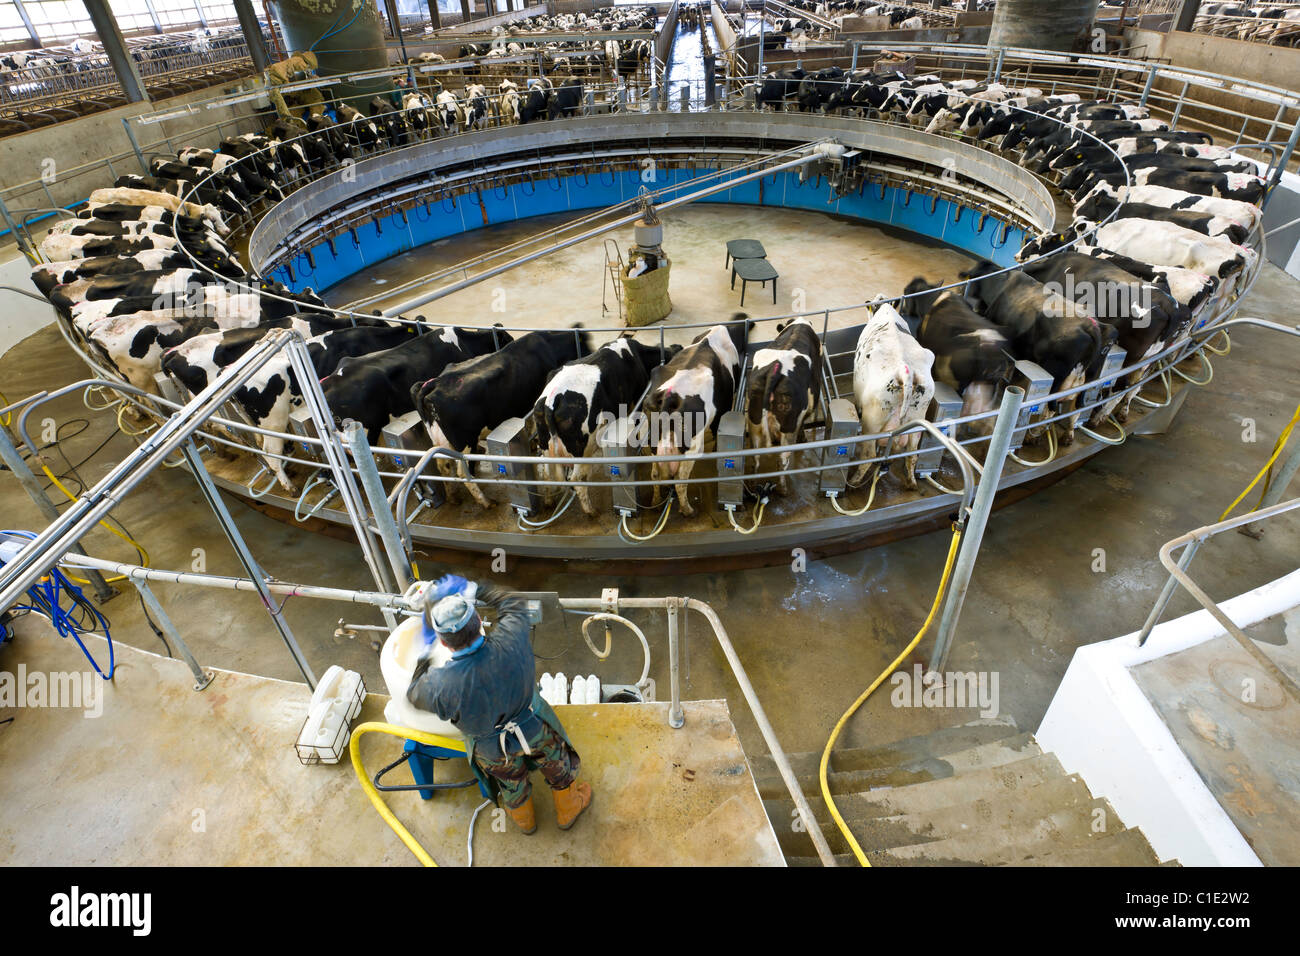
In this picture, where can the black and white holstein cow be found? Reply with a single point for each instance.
(687, 396)
(1157, 243)
(781, 390)
(373, 389)
(1062, 337)
(195, 363)
(1145, 316)
(469, 398)
(585, 397)
(893, 383)
(48, 275)
(972, 354)
(1089, 214)
(270, 394)
(1243, 213)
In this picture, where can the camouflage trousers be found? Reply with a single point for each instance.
(558, 762)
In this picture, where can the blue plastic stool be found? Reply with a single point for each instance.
(421, 757)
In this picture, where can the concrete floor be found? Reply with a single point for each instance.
(1240, 729)
(1072, 564)
(824, 261)
(225, 787)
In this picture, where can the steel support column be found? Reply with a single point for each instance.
(973, 534)
(252, 34)
(115, 49)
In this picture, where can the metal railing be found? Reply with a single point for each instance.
(1190, 543)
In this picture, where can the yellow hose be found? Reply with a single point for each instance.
(144, 555)
(406, 733)
(826, 754)
(1268, 465)
(9, 416)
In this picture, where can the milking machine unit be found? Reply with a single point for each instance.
(945, 405)
(1037, 385)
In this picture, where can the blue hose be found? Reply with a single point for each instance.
(80, 618)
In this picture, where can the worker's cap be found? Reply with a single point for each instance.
(451, 614)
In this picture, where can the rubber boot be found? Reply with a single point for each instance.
(570, 802)
(524, 816)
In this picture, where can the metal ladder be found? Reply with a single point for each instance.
(613, 276)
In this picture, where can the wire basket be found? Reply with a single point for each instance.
(316, 750)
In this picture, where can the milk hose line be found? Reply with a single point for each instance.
(826, 754)
(469, 839)
(1051, 452)
(663, 520)
(870, 498)
(609, 640)
(559, 511)
(376, 800)
(144, 555)
(1226, 348)
(758, 517)
(129, 431)
(1268, 465)
(1205, 361)
(85, 399)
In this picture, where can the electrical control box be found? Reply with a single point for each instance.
(508, 439)
(731, 470)
(841, 422)
(615, 442)
(407, 433)
(168, 388)
(301, 424)
(1037, 385)
(1112, 363)
(945, 406)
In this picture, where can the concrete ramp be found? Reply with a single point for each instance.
(168, 776)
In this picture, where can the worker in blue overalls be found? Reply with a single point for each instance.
(489, 692)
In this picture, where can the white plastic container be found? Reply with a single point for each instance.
(561, 688)
(593, 690)
(397, 660)
(334, 705)
(578, 694)
(547, 684)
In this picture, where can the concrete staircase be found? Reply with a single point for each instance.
(977, 794)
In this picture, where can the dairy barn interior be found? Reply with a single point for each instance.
(952, 513)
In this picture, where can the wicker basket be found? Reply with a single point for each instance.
(645, 297)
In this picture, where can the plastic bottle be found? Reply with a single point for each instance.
(561, 688)
(548, 688)
(593, 689)
(578, 693)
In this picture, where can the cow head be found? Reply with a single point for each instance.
(1041, 244)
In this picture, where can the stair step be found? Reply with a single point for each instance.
(885, 756)
(1126, 848)
(993, 754)
(878, 832)
(1027, 835)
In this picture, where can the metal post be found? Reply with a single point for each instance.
(251, 567)
(1166, 593)
(1146, 90)
(337, 460)
(973, 534)
(762, 26)
(853, 64)
(252, 34)
(135, 145)
(1186, 15)
(202, 678)
(997, 67)
(710, 90)
(435, 19)
(465, 11)
(1276, 489)
(686, 99)
(19, 237)
(374, 489)
(1281, 163)
(15, 463)
(676, 716)
(115, 49)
